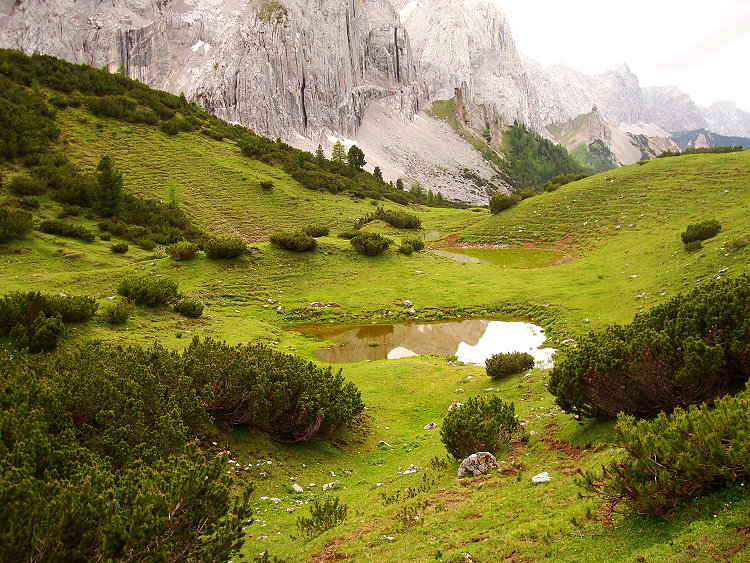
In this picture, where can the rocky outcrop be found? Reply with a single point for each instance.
(278, 66)
(725, 118)
(477, 464)
(468, 44)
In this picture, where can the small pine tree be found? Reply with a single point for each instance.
(399, 184)
(378, 173)
(319, 155)
(338, 154)
(356, 157)
(108, 188)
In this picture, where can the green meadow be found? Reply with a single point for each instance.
(619, 236)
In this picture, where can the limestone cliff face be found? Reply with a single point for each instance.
(468, 44)
(280, 67)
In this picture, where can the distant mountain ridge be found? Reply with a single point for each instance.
(701, 139)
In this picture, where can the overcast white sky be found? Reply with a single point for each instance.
(702, 47)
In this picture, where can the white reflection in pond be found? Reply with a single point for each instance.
(472, 340)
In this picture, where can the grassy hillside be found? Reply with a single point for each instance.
(619, 232)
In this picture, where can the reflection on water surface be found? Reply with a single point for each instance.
(472, 340)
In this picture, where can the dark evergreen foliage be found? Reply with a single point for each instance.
(691, 349)
(482, 424)
(189, 308)
(65, 229)
(508, 363)
(701, 231)
(370, 244)
(297, 242)
(501, 201)
(15, 224)
(224, 247)
(148, 290)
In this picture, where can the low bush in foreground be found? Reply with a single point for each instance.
(120, 312)
(65, 229)
(120, 247)
(502, 364)
(691, 349)
(482, 424)
(673, 458)
(23, 308)
(323, 516)
(148, 290)
(182, 250)
(415, 243)
(501, 201)
(296, 242)
(369, 244)
(189, 308)
(316, 231)
(15, 224)
(406, 249)
(224, 247)
(700, 231)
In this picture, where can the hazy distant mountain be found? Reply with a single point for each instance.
(701, 138)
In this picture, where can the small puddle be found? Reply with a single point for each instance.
(507, 257)
(472, 340)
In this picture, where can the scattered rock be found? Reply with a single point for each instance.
(412, 311)
(489, 389)
(477, 464)
(455, 406)
(384, 443)
(407, 303)
(317, 304)
(290, 510)
(411, 469)
(328, 486)
(541, 477)
(430, 426)
(460, 391)
(297, 488)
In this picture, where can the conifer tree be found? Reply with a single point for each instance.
(108, 188)
(338, 154)
(378, 173)
(319, 155)
(356, 157)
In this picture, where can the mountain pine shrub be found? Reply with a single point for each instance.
(120, 247)
(692, 349)
(15, 224)
(370, 244)
(406, 249)
(701, 231)
(189, 308)
(324, 515)
(676, 457)
(501, 201)
(508, 363)
(22, 184)
(182, 250)
(41, 335)
(65, 229)
(119, 312)
(482, 424)
(148, 290)
(316, 231)
(18, 308)
(296, 242)
(416, 243)
(224, 247)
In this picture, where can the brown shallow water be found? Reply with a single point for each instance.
(472, 340)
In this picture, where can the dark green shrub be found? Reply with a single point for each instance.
(316, 231)
(256, 386)
(297, 242)
(106, 237)
(405, 249)
(691, 349)
(182, 250)
(482, 424)
(693, 245)
(148, 290)
(323, 516)
(62, 228)
(370, 244)
(120, 248)
(69, 211)
(701, 231)
(41, 335)
(501, 201)
(189, 308)
(416, 244)
(266, 185)
(397, 219)
(14, 224)
(674, 458)
(224, 247)
(29, 202)
(120, 312)
(21, 184)
(23, 308)
(508, 363)
(100, 444)
(348, 235)
(145, 243)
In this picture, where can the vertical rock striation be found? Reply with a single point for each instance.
(278, 66)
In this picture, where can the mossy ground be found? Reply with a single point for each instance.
(621, 230)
